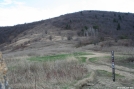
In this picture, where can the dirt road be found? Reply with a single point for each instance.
(124, 71)
(105, 82)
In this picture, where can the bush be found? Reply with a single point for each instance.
(114, 20)
(46, 31)
(69, 38)
(118, 27)
(95, 27)
(80, 33)
(68, 26)
(123, 37)
(120, 18)
(96, 16)
(81, 13)
(85, 27)
(130, 59)
(84, 42)
(114, 14)
(103, 15)
(102, 39)
(50, 38)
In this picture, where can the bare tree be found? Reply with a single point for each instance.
(94, 33)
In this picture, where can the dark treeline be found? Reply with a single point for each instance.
(10, 32)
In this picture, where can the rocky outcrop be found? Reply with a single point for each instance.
(3, 73)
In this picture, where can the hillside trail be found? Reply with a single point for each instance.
(121, 70)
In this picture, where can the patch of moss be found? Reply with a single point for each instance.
(107, 74)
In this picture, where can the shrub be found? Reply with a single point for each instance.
(70, 21)
(95, 27)
(50, 38)
(130, 59)
(69, 38)
(84, 42)
(123, 37)
(96, 16)
(85, 27)
(46, 32)
(101, 38)
(68, 26)
(114, 14)
(114, 20)
(81, 13)
(120, 18)
(126, 13)
(118, 27)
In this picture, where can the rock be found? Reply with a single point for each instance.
(3, 73)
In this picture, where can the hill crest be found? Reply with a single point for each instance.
(115, 25)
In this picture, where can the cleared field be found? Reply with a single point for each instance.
(78, 70)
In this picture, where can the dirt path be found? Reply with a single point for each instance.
(107, 68)
(121, 70)
(95, 54)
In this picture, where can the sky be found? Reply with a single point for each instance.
(13, 12)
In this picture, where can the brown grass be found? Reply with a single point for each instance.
(3, 69)
(86, 81)
(25, 74)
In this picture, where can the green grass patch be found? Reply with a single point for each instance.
(82, 59)
(50, 58)
(59, 57)
(107, 74)
(93, 59)
(121, 57)
(96, 59)
(11, 68)
(126, 61)
(65, 87)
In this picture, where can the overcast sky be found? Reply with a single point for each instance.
(14, 12)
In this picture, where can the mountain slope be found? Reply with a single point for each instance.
(115, 25)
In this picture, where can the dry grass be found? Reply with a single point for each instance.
(83, 41)
(24, 74)
(89, 81)
(121, 49)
